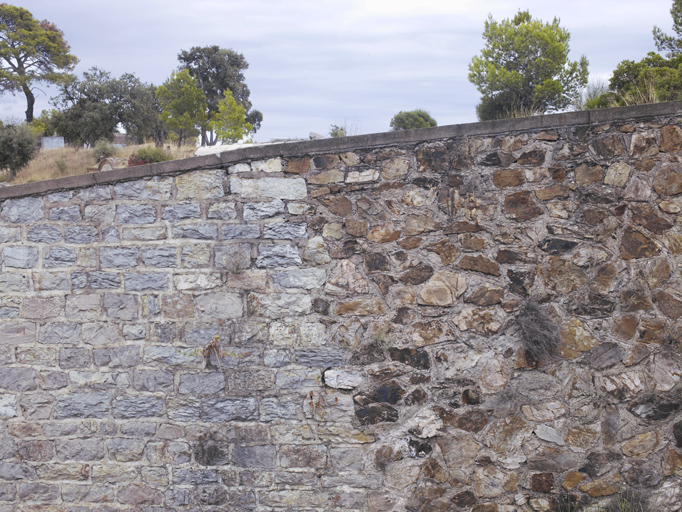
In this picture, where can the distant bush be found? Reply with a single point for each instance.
(18, 145)
(148, 155)
(539, 333)
(104, 149)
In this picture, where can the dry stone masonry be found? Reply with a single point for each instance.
(339, 325)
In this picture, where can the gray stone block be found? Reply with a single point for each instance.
(285, 230)
(183, 409)
(182, 211)
(118, 357)
(222, 211)
(18, 379)
(120, 306)
(144, 282)
(59, 197)
(60, 333)
(17, 333)
(126, 450)
(80, 449)
(229, 409)
(262, 457)
(139, 406)
(135, 214)
(11, 471)
(134, 332)
(100, 333)
(20, 256)
(51, 281)
(277, 255)
(191, 476)
(82, 405)
(153, 380)
(162, 257)
(95, 280)
(219, 305)
(39, 492)
(24, 211)
(50, 381)
(196, 384)
(66, 213)
(97, 193)
(118, 257)
(110, 235)
(59, 257)
(196, 231)
(233, 256)
(231, 231)
(320, 357)
(172, 356)
(83, 307)
(8, 312)
(9, 235)
(138, 428)
(81, 235)
(74, 358)
(44, 234)
(274, 409)
(10, 282)
(307, 278)
(276, 358)
(258, 211)
(100, 213)
(155, 189)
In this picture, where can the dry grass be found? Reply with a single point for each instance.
(70, 161)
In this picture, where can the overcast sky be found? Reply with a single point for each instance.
(317, 62)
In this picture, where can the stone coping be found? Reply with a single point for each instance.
(586, 117)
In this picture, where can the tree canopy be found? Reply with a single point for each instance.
(671, 44)
(18, 145)
(524, 67)
(216, 71)
(31, 52)
(412, 119)
(229, 123)
(183, 105)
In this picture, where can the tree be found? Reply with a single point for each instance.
(183, 105)
(18, 145)
(31, 52)
(524, 67)
(229, 123)
(217, 70)
(412, 119)
(664, 42)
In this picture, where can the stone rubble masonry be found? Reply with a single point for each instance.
(362, 294)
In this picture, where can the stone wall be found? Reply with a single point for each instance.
(478, 317)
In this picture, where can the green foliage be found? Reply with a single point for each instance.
(412, 119)
(218, 70)
(149, 155)
(671, 44)
(18, 145)
(524, 67)
(93, 107)
(31, 52)
(102, 149)
(344, 130)
(183, 105)
(336, 132)
(229, 123)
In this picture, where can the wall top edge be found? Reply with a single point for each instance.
(368, 141)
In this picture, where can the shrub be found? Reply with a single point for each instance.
(539, 334)
(104, 149)
(148, 155)
(413, 119)
(18, 145)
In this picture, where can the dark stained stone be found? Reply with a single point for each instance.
(463, 227)
(609, 147)
(471, 397)
(654, 407)
(209, 452)
(556, 246)
(367, 354)
(668, 304)
(419, 449)
(413, 357)
(553, 459)
(635, 299)
(479, 263)
(424, 182)
(446, 250)
(376, 413)
(668, 180)
(542, 482)
(410, 242)
(464, 499)
(298, 165)
(635, 244)
(340, 206)
(642, 474)
(644, 215)
(417, 397)
(534, 157)
(520, 282)
(417, 275)
(497, 159)
(433, 159)
(376, 262)
(485, 296)
(595, 217)
(471, 421)
(652, 330)
(503, 178)
(671, 139)
(604, 356)
(677, 433)
(325, 161)
(595, 464)
(389, 392)
(507, 256)
(521, 206)
(586, 175)
(320, 306)
(403, 316)
(384, 282)
(592, 304)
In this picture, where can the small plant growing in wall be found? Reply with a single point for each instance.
(539, 333)
(212, 348)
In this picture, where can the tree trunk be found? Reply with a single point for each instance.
(30, 102)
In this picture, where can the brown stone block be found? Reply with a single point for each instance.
(599, 488)
(503, 178)
(533, 157)
(572, 479)
(479, 263)
(340, 206)
(521, 206)
(542, 482)
(356, 227)
(298, 165)
(446, 250)
(609, 147)
(671, 139)
(668, 180)
(626, 327)
(635, 244)
(652, 330)
(463, 227)
(586, 175)
(384, 233)
(644, 215)
(545, 194)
